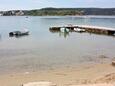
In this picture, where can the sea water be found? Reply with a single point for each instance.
(42, 49)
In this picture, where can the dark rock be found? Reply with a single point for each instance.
(113, 63)
(103, 56)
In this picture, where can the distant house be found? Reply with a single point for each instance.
(19, 13)
(1, 14)
(13, 12)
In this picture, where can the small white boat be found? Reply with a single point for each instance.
(79, 30)
(64, 29)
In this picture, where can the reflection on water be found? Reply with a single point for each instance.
(19, 36)
(64, 34)
(61, 34)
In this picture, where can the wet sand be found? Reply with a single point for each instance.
(84, 74)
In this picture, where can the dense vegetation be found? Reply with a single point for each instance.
(72, 11)
(55, 11)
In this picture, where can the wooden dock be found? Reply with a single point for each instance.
(90, 29)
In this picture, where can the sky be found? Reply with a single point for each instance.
(37, 4)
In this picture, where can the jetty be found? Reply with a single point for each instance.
(87, 28)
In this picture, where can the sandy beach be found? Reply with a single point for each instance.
(85, 74)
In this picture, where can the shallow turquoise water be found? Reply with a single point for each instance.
(45, 50)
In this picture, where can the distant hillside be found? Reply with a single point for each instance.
(72, 11)
(65, 11)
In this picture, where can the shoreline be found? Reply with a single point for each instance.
(92, 74)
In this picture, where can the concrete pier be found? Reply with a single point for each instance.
(90, 29)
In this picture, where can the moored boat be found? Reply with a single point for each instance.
(63, 29)
(79, 30)
(19, 33)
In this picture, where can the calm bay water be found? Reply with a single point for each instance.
(45, 50)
